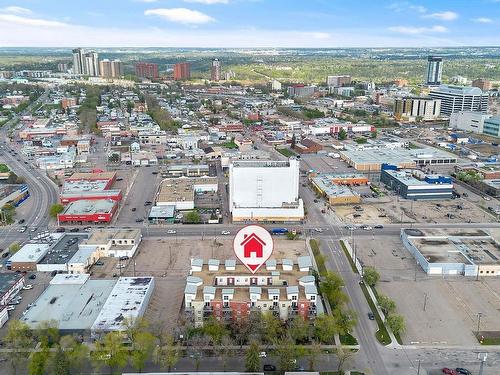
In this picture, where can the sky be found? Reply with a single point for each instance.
(249, 23)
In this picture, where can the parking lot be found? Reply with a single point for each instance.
(437, 310)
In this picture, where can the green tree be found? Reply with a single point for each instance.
(342, 135)
(47, 333)
(271, 326)
(168, 354)
(396, 323)
(55, 210)
(17, 339)
(346, 321)
(60, 363)
(326, 328)
(300, 329)
(142, 348)
(110, 351)
(114, 158)
(252, 359)
(76, 352)
(215, 329)
(373, 134)
(193, 217)
(371, 276)
(38, 362)
(12, 179)
(14, 247)
(332, 287)
(387, 305)
(286, 352)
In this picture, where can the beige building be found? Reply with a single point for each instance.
(414, 108)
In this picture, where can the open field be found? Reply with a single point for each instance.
(437, 310)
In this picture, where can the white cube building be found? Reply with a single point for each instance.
(265, 191)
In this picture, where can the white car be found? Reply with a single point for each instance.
(319, 230)
(367, 227)
(225, 232)
(33, 229)
(28, 287)
(10, 307)
(263, 355)
(120, 266)
(22, 230)
(171, 231)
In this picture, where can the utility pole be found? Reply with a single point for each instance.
(134, 266)
(425, 301)
(479, 315)
(418, 368)
(482, 357)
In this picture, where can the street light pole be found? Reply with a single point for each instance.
(479, 315)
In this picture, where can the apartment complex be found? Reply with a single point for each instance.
(146, 70)
(230, 292)
(338, 81)
(413, 108)
(85, 63)
(215, 70)
(434, 70)
(458, 98)
(182, 71)
(111, 69)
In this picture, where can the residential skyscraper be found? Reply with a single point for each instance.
(215, 73)
(182, 71)
(78, 58)
(111, 69)
(434, 70)
(91, 64)
(146, 70)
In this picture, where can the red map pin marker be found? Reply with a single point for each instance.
(253, 245)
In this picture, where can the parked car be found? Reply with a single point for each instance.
(21, 221)
(319, 230)
(5, 255)
(139, 220)
(33, 276)
(61, 230)
(171, 231)
(74, 230)
(124, 258)
(28, 287)
(263, 355)
(366, 227)
(225, 232)
(379, 226)
(33, 229)
(134, 209)
(53, 273)
(269, 368)
(449, 371)
(118, 266)
(22, 229)
(463, 371)
(99, 263)
(11, 307)
(371, 316)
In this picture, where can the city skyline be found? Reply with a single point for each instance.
(249, 23)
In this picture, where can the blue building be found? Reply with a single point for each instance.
(409, 187)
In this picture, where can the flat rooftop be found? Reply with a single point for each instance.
(8, 280)
(74, 306)
(493, 183)
(78, 186)
(182, 189)
(102, 236)
(396, 156)
(89, 207)
(406, 178)
(91, 176)
(325, 184)
(126, 300)
(30, 253)
(64, 249)
(261, 164)
(468, 246)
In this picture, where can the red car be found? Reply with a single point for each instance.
(449, 371)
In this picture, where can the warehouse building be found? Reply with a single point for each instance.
(128, 300)
(28, 256)
(187, 170)
(180, 192)
(90, 186)
(335, 194)
(114, 242)
(10, 285)
(372, 160)
(467, 252)
(257, 191)
(408, 186)
(60, 253)
(88, 211)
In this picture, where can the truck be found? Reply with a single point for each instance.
(276, 231)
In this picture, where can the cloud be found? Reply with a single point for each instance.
(15, 10)
(147, 1)
(317, 34)
(418, 30)
(443, 16)
(180, 15)
(418, 8)
(207, 2)
(18, 20)
(482, 20)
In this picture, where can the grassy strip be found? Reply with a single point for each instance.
(490, 341)
(396, 335)
(382, 335)
(320, 260)
(351, 262)
(286, 152)
(348, 339)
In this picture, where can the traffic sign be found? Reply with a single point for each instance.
(253, 245)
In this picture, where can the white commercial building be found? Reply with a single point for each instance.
(468, 121)
(265, 191)
(458, 98)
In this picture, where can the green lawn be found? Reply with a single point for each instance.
(230, 145)
(348, 339)
(286, 152)
(351, 262)
(491, 341)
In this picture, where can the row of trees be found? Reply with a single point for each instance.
(159, 115)
(138, 344)
(394, 321)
